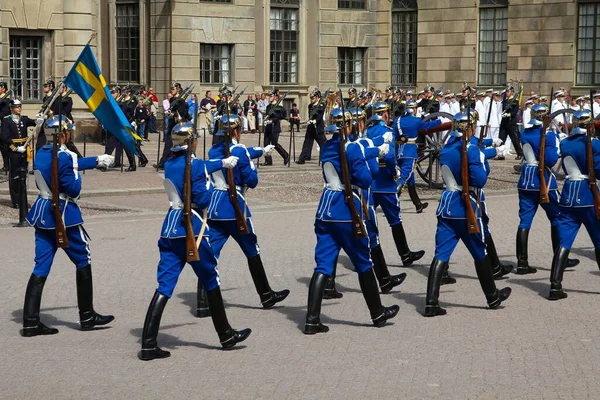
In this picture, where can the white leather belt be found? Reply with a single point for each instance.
(62, 196)
(458, 188)
(579, 177)
(408, 141)
(180, 206)
(532, 164)
(226, 187)
(339, 188)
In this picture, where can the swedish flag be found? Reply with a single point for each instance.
(85, 79)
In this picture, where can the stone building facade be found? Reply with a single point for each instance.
(298, 44)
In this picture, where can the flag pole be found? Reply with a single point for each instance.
(91, 38)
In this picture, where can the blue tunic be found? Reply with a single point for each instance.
(530, 178)
(41, 215)
(409, 126)
(577, 193)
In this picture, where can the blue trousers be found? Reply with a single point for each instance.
(390, 204)
(450, 231)
(220, 231)
(528, 205)
(173, 258)
(335, 236)
(45, 249)
(407, 171)
(372, 228)
(569, 221)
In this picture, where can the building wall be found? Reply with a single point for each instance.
(541, 41)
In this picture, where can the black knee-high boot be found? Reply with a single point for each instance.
(414, 197)
(523, 267)
(386, 281)
(572, 262)
(228, 336)
(379, 313)
(597, 253)
(434, 281)
(559, 263)
(268, 297)
(408, 257)
(493, 296)
(202, 310)
(88, 318)
(331, 291)
(498, 269)
(446, 278)
(284, 154)
(150, 349)
(31, 309)
(315, 298)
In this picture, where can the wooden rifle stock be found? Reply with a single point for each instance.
(357, 223)
(544, 198)
(61, 232)
(443, 127)
(191, 249)
(240, 218)
(472, 225)
(590, 163)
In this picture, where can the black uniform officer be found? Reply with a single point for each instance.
(508, 125)
(275, 113)
(14, 137)
(178, 110)
(315, 130)
(128, 106)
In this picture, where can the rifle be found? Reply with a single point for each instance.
(60, 230)
(357, 223)
(314, 114)
(277, 105)
(191, 249)
(237, 96)
(182, 96)
(472, 225)
(591, 131)
(240, 218)
(544, 198)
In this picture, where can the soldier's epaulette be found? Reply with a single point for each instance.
(8, 116)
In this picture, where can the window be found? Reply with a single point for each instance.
(354, 4)
(404, 42)
(350, 66)
(493, 36)
(128, 41)
(26, 66)
(588, 45)
(215, 1)
(215, 62)
(283, 62)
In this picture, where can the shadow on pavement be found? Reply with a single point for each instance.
(171, 341)
(49, 319)
(190, 299)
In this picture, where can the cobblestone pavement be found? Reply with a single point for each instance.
(530, 348)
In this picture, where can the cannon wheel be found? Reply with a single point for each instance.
(566, 111)
(429, 149)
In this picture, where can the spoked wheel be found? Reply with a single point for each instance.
(428, 163)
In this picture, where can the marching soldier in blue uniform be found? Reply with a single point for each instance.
(334, 229)
(385, 187)
(529, 186)
(315, 128)
(452, 220)
(14, 137)
(406, 130)
(275, 114)
(221, 213)
(172, 245)
(577, 199)
(41, 217)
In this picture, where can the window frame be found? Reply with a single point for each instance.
(351, 5)
(406, 8)
(594, 51)
(284, 63)
(352, 61)
(498, 78)
(212, 59)
(24, 87)
(132, 70)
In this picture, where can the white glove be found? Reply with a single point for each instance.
(500, 150)
(104, 160)
(312, 122)
(230, 162)
(506, 115)
(383, 150)
(497, 142)
(268, 150)
(388, 137)
(562, 136)
(21, 149)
